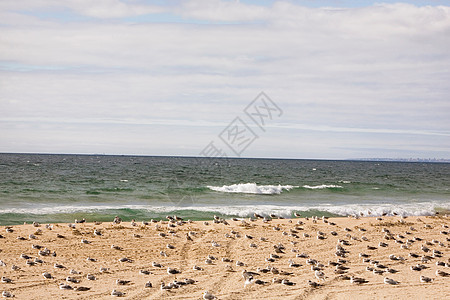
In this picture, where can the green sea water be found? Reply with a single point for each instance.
(60, 188)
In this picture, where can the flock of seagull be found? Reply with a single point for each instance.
(320, 270)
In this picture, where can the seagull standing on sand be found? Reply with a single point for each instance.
(319, 275)
(64, 286)
(425, 279)
(208, 296)
(7, 294)
(6, 279)
(246, 274)
(390, 281)
(172, 271)
(117, 293)
(442, 273)
(90, 277)
(357, 280)
(313, 284)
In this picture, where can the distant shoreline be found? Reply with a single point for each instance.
(420, 160)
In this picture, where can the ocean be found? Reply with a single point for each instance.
(50, 188)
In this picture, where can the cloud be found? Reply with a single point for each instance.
(102, 9)
(222, 11)
(375, 70)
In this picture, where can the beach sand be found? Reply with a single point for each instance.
(142, 244)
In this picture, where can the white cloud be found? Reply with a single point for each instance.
(222, 11)
(378, 70)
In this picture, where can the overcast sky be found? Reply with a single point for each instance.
(350, 79)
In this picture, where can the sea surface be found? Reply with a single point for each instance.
(61, 188)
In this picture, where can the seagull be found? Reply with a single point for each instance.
(71, 279)
(165, 287)
(58, 266)
(104, 270)
(98, 232)
(145, 272)
(30, 263)
(24, 256)
(319, 275)
(6, 294)
(90, 277)
(442, 273)
(47, 275)
(125, 259)
(357, 280)
(38, 260)
(6, 279)
(15, 268)
(229, 268)
(189, 281)
(157, 265)
(172, 271)
(115, 247)
(390, 281)
(84, 241)
(392, 271)
(122, 282)
(425, 248)
(208, 296)
(246, 274)
(415, 268)
(81, 288)
(117, 293)
(287, 282)
(251, 280)
(64, 286)
(425, 279)
(313, 284)
(378, 272)
(148, 284)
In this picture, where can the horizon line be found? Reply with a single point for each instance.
(380, 159)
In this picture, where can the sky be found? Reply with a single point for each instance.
(281, 79)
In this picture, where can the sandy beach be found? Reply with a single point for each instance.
(293, 244)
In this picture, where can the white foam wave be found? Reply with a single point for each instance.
(405, 209)
(252, 188)
(322, 186)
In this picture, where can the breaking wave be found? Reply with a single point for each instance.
(322, 186)
(252, 188)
